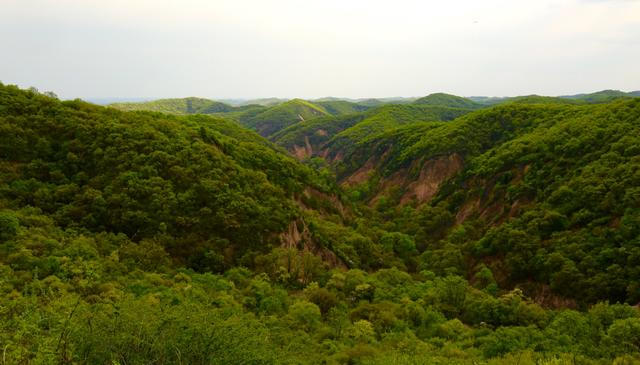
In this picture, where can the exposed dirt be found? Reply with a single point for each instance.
(516, 208)
(470, 207)
(547, 299)
(302, 152)
(398, 179)
(307, 146)
(493, 213)
(292, 236)
(519, 173)
(303, 241)
(433, 173)
(299, 152)
(362, 174)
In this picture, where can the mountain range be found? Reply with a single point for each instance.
(438, 229)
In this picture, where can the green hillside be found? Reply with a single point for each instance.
(506, 235)
(371, 102)
(537, 99)
(343, 131)
(197, 180)
(188, 106)
(177, 106)
(243, 112)
(317, 130)
(339, 107)
(603, 96)
(266, 116)
(265, 101)
(449, 100)
(386, 118)
(543, 192)
(283, 115)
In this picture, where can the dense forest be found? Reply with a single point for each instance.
(440, 230)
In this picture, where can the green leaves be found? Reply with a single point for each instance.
(9, 225)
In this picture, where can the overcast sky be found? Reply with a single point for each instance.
(295, 48)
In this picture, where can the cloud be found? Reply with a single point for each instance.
(244, 48)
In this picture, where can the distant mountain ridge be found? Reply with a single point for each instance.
(190, 105)
(602, 96)
(272, 101)
(449, 100)
(270, 116)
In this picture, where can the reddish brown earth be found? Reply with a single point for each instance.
(302, 240)
(362, 174)
(433, 173)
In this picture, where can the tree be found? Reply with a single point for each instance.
(400, 243)
(626, 334)
(305, 315)
(362, 331)
(9, 225)
(50, 94)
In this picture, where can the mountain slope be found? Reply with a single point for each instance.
(449, 100)
(264, 101)
(602, 96)
(340, 107)
(191, 184)
(283, 115)
(182, 106)
(544, 193)
(386, 118)
(308, 139)
(330, 135)
(525, 99)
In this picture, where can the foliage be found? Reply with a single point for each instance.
(603, 96)
(189, 184)
(142, 237)
(449, 100)
(340, 107)
(189, 105)
(283, 115)
(546, 192)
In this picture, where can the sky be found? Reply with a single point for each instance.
(344, 48)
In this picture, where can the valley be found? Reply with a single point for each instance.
(439, 230)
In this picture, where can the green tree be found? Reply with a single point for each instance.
(9, 225)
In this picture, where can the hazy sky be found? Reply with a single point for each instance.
(349, 48)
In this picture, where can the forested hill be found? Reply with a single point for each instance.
(505, 235)
(449, 100)
(283, 115)
(189, 105)
(332, 135)
(193, 185)
(290, 121)
(603, 96)
(264, 119)
(543, 194)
